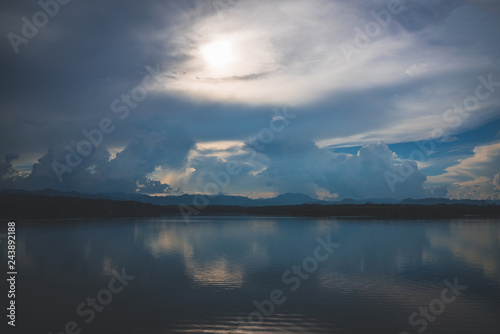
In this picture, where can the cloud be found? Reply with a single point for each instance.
(490, 6)
(417, 70)
(301, 40)
(476, 177)
(300, 166)
(128, 172)
(479, 188)
(304, 167)
(285, 52)
(289, 52)
(449, 139)
(6, 169)
(484, 162)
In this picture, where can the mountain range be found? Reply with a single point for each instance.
(231, 200)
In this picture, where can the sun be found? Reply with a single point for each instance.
(217, 54)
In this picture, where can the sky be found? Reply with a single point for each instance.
(333, 99)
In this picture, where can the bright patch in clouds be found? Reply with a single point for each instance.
(217, 54)
(260, 53)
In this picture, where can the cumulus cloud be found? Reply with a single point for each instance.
(7, 172)
(476, 177)
(479, 188)
(128, 172)
(6, 165)
(300, 166)
(305, 168)
(485, 161)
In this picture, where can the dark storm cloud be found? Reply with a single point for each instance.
(6, 169)
(62, 168)
(68, 74)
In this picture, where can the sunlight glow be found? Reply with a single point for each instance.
(217, 54)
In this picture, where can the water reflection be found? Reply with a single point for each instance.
(473, 243)
(203, 276)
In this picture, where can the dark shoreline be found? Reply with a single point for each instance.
(22, 206)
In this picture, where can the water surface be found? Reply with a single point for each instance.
(209, 276)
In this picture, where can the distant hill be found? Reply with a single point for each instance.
(284, 199)
(34, 206)
(229, 200)
(290, 199)
(17, 206)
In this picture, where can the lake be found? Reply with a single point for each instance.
(257, 275)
